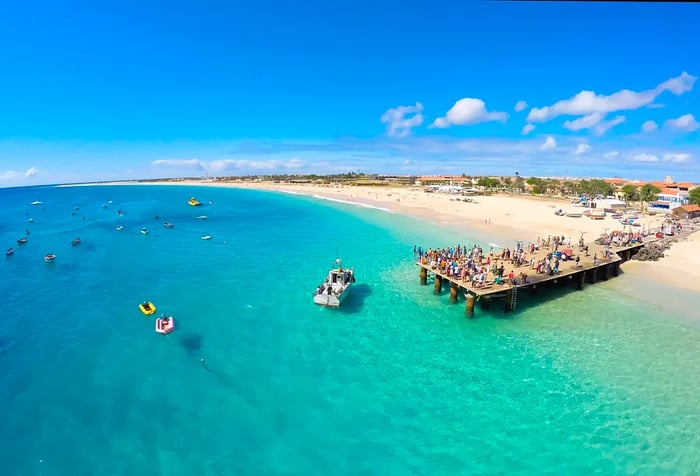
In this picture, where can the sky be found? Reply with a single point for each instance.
(128, 90)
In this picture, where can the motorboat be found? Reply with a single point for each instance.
(206, 237)
(120, 227)
(36, 202)
(49, 257)
(31, 220)
(194, 202)
(165, 325)
(147, 307)
(144, 230)
(75, 242)
(9, 252)
(22, 240)
(202, 217)
(168, 225)
(336, 287)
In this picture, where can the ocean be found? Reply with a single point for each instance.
(398, 381)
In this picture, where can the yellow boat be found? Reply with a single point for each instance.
(194, 202)
(147, 308)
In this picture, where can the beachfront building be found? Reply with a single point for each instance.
(445, 180)
(668, 199)
(687, 212)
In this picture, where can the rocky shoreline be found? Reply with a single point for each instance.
(654, 250)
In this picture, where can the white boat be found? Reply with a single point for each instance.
(336, 287)
(36, 202)
(206, 237)
(144, 230)
(574, 215)
(120, 227)
(202, 217)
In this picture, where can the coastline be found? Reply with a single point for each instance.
(506, 216)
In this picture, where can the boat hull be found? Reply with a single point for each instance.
(331, 300)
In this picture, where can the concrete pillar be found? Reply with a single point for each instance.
(485, 303)
(423, 276)
(470, 305)
(454, 289)
(438, 284)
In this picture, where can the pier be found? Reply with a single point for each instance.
(588, 271)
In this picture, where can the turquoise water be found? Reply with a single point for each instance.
(397, 382)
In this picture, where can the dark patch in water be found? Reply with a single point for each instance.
(192, 343)
(354, 302)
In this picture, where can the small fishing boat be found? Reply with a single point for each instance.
(36, 202)
(336, 287)
(9, 252)
(120, 227)
(194, 202)
(31, 220)
(206, 237)
(22, 240)
(27, 232)
(144, 230)
(147, 307)
(168, 225)
(165, 325)
(75, 242)
(202, 217)
(49, 257)
(574, 215)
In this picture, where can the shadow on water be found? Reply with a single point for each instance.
(356, 300)
(192, 344)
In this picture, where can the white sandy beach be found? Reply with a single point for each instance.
(524, 216)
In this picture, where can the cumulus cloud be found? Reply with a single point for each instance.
(520, 106)
(184, 163)
(527, 129)
(468, 111)
(401, 120)
(676, 158)
(549, 144)
(686, 122)
(649, 126)
(603, 126)
(644, 157)
(30, 172)
(588, 102)
(611, 155)
(581, 149)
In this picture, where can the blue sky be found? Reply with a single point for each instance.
(125, 90)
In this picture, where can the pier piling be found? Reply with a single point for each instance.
(438, 284)
(454, 289)
(470, 305)
(423, 276)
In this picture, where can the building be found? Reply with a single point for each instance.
(687, 212)
(668, 199)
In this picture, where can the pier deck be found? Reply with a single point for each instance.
(586, 271)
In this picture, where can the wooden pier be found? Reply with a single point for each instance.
(586, 272)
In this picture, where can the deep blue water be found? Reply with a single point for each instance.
(396, 382)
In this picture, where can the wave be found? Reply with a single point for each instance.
(349, 202)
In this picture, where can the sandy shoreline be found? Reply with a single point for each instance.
(506, 216)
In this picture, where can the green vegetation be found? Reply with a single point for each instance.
(630, 192)
(648, 192)
(694, 195)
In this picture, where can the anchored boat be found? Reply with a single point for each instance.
(194, 202)
(336, 287)
(165, 325)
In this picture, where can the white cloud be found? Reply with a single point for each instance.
(520, 106)
(226, 165)
(611, 155)
(649, 126)
(185, 163)
(656, 105)
(594, 107)
(686, 122)
(585, 122)
(676, 158)
(582, 149)
(8, 175)
(30, 172)
(401, 120)
(604, 126)
(549, 144)
(527, 129)
(645, 158)
(468, 111)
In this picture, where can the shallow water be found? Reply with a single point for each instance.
(396, 382)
